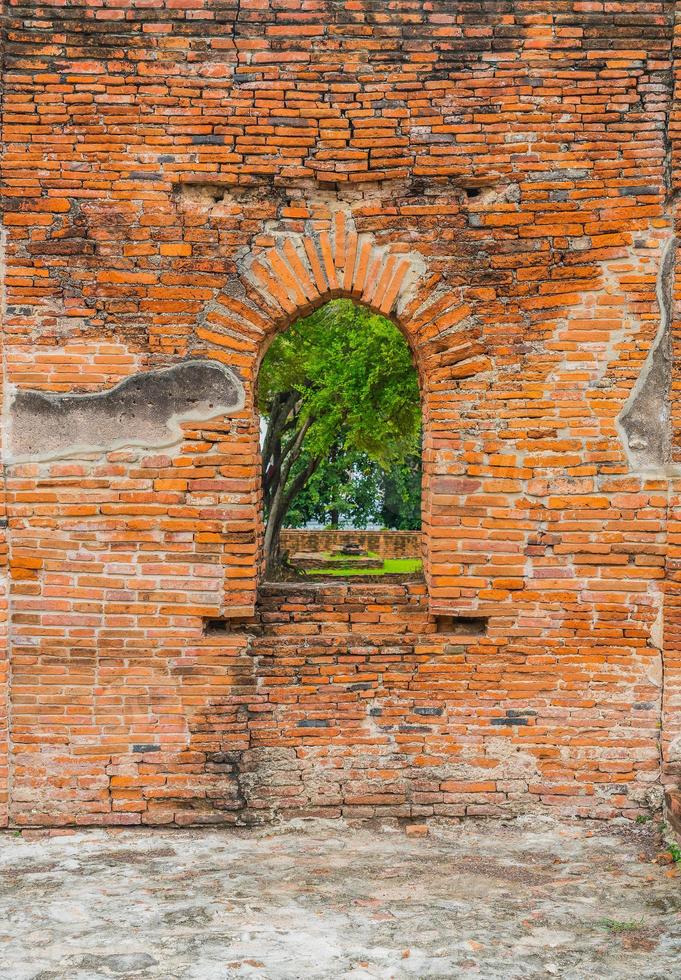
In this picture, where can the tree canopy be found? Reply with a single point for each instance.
(353, 491)
(339, 395)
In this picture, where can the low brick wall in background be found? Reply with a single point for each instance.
(386, 544)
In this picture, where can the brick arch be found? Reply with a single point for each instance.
(363, 299)
(295, 270)
(292, 272)
(301, 271)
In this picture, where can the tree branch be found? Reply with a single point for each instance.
(300, 481)
(294, 450)
(282, 405)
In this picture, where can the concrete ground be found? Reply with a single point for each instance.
(530, 898)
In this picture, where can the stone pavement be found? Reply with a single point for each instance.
(529, 898)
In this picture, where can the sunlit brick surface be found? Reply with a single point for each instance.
(185, 179)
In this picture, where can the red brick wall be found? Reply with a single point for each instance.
(187, 179)
(386, 544)
(345, 700)
(671, 715)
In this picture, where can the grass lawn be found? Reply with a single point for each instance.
(401, 566)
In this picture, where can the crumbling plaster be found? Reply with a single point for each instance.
(145, 409)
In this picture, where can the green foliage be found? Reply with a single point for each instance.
(401, 507)
(354, 373)
(402, 565)
(618, 926)
(358, 493)
(391, 566)
(670, 842)
(343, 488)
(343, 380)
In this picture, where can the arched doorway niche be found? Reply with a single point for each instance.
(342, 423)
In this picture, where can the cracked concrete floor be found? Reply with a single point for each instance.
(529, 898)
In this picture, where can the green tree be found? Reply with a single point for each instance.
(351, 490)
(344, 489)
(339, 396)
(401, 495)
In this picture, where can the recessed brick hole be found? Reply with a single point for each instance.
(200, 193)
(472, 192)
(462, 625)
(223, 624)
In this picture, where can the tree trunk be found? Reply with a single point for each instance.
(281, 501)
(272, 542)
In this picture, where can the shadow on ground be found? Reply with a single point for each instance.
(531, 898)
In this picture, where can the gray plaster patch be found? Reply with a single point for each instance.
(645, 419)
(145, 409)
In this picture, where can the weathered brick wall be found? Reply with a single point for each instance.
(346, 700)
(671, 714)
(386, 544)
(365, 708)
(183, 180)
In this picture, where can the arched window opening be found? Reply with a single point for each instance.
(340, 431)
